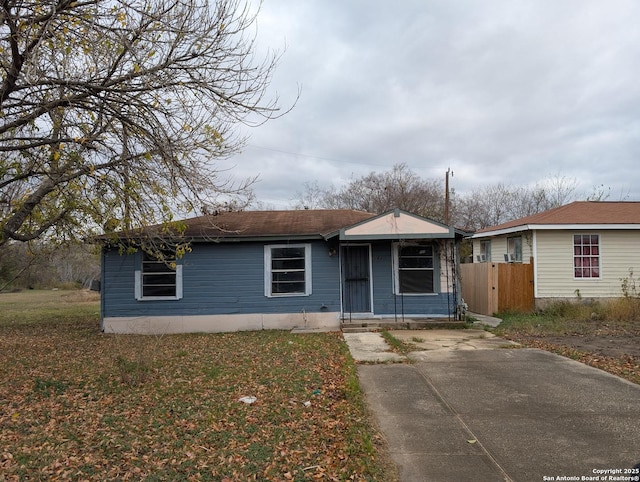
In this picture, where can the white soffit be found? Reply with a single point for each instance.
(391, 224)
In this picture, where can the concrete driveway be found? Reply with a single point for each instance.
(495, 414)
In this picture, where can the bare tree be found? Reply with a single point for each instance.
(312, 197)
(560, 190)
(600, 193)
(111, 112)
(378, 192)
(483, 207)
(400, 187)
(499, 203)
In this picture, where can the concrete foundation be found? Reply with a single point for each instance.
(160, 325)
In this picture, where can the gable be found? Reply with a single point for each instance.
(396, 225)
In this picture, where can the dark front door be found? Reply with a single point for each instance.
(356, 279)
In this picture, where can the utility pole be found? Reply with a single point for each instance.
(446, 196)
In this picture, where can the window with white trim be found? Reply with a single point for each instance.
(514, 247)
(158, 279)
(415, 269)
(485, 251)
(287, 270)
(586, 256)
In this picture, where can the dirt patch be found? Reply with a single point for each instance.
(604, 345)
(610, 339)
(613, 347)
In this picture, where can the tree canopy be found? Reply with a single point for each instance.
(378, 192)
(400, 187)
(111, 112)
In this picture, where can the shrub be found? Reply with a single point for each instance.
(629, 285)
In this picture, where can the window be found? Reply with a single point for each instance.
(159, 279)
(586, 256)
(288, 270)
(514, 247)
(415, 273)
(485, 251)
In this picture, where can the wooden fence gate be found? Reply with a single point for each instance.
(490, 288)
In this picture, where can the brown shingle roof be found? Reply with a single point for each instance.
(579, 212)
(247, 224)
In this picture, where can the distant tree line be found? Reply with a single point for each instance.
(485, 206)
(39, 265)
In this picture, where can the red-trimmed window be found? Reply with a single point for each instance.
(586, 256)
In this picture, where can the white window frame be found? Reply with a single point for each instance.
(590, 256)
(139, 280)
(268, 270)
(485, 250)
(396, 270)
(516, 249)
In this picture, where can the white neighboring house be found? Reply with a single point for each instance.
(585, 249)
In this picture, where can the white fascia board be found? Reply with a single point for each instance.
(557, 227)
(578, 227)
(499, 232)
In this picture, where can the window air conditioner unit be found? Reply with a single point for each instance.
(481, 258)
(509, 258)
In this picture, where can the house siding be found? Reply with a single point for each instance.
(387, 304)
(220, 279)
(220, 283)
(619, 252)
(499, 247)
(223, 289)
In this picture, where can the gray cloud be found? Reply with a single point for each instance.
(506, 91)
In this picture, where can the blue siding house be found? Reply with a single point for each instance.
(311, 269)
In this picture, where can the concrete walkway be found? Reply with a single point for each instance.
(484, 320)
(468, 409)
(371, 346)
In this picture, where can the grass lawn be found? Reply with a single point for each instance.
(82, 405)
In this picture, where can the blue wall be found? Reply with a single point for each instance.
(386, 303)
(228, 278)
(220, 279)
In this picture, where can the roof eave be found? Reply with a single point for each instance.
(257, 238)
(394, 237)
(556, 227)
(499, 232)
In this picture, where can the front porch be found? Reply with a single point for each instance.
(399, 271)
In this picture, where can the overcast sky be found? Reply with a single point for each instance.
(511, 91)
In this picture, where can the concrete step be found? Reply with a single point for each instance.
(354, 328)
(362, 326)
